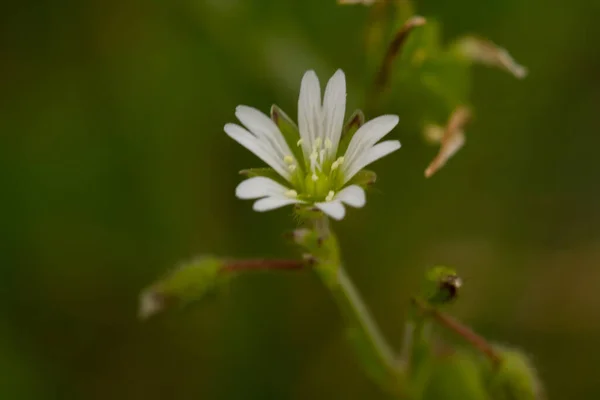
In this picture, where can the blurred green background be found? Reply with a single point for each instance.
(114, 167)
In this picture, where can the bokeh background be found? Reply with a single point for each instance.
(114, 167)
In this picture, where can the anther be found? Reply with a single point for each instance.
(288, 159)
(292, 194)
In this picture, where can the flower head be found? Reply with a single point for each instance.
(318, 163)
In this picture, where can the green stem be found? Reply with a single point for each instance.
(374, 353)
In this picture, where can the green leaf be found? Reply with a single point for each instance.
(290, 132)
(364, 178)
(189, 282)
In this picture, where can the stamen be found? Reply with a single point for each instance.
(299, 142)
(330, 195)
(328, 144)
(292, 167)
(315, 177)
(313, 156)
(336, 164)
(317, 143)
(321, 156)
(292, 194)
(288, 159)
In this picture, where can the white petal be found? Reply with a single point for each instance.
(334, 108)
(367, 135)
(335, 209)
(259, 186)
(271, 203)
(264, 129)
(353, 195)
(309, 111)
(373, 154)
(251, 142)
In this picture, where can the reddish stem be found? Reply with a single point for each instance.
(476, 340)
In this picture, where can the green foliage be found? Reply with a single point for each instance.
(189, 282)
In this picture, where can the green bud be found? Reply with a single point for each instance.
(514, 378)
(189, 282)
(441, 285)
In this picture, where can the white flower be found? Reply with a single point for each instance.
(313, 165)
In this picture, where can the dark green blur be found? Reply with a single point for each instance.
(114, 167)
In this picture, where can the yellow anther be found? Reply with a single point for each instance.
(335, 165)
(288, 159)
(292, 167)
(328, 144)
(315, 177)
(330, 195)
(292, 194)
(340, 160)
(299, 142)
(313, 156)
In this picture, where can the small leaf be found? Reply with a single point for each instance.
(452, 141)
(364, 178)
(488, 53)
(514, 378)
(290, 132)
(189, 282)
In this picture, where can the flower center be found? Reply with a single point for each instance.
(322, 176)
